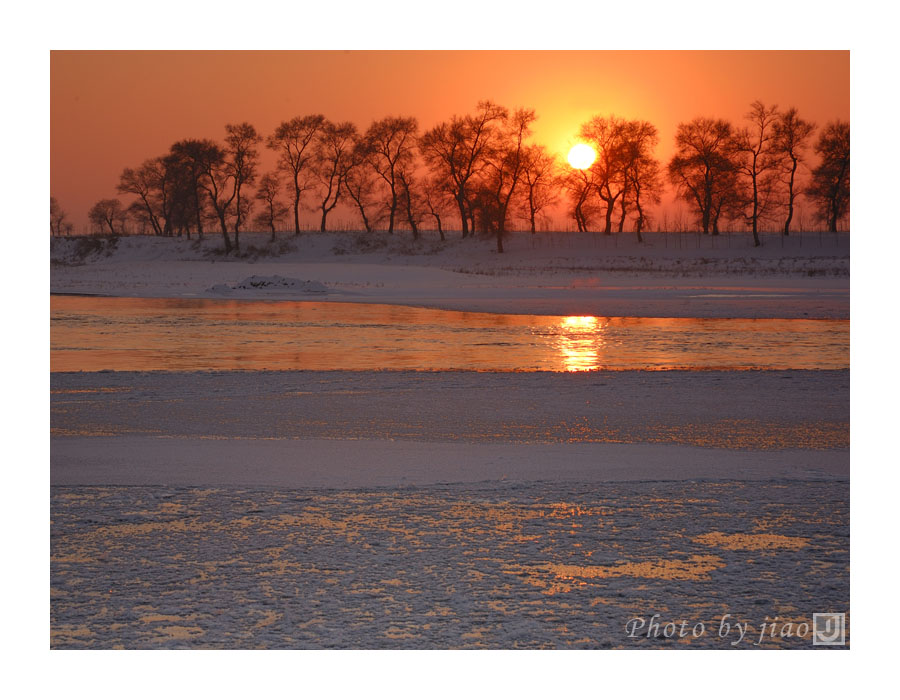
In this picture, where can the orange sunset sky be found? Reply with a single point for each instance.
(113, 109)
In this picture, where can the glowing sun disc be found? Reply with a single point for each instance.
(581, 156)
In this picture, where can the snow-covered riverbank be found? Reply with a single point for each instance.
(564, 274)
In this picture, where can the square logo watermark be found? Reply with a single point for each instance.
(828, 629)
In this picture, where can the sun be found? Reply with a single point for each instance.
(581, 156)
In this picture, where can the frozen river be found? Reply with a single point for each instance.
(139, 334)
(306, 501)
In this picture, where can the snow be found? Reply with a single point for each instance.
(274, 286)
(542, 565)
(392, 429)
(560, 274)
(404, 509)
(776, 410)
(443, 510)
(364, 463)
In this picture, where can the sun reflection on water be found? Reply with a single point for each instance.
(581, 340)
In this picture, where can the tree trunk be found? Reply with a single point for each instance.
(296, 211)
(790, 214)
(362, 213)
(393, 209)
(755, 211)
(410, 218)
(461, 203)
(224, 226)
(437, 217)
(639, 224)
(609, 207)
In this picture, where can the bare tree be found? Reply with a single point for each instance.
(57, 217)
(791, 142)
(411, 201)
(389, 146)
(136, 212)
(642, 171)
(273, 209)
(607, 136)
(108, 214)
(360, 186)
(702, 170)
(217, 182)
(830, 186)
(455, 152)
(186, 166)
(242, 155)
(437, 201)
(148, 184)
(579, 184)
(333, 158)
(540, 182)
(294, 141)
(757, 161)
(505, 161)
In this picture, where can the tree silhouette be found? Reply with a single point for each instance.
(411, 201)
(702, 170)
(148, 183)
(389, 148)
(294, 141)
(579, 185)
(607, 136)
(830, 186)
(136, 212)
(187, 164)
(333, 158)
(540, 181)
(242, 160)
(215, 179)
(437, 201)
(57, 217)
(641, 171)
(505, 161)
(791, 141)
(108, 214)
(273, 210)
(455, 152)
(482, 166)
(360, 186)
(756, 158)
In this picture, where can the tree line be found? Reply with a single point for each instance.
(482, 171)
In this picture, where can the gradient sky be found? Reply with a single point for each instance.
(113, 109)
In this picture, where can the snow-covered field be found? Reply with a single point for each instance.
(563, 274)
